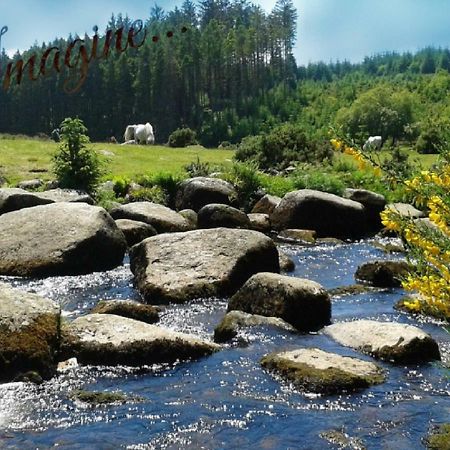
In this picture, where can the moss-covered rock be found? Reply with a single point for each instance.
(303, 303)
(439, 439)
(314, 370)
(232, 321)
(298, 236)
(29, 335)
(127, 308)
(97, 398)
(352, 289)
(382, 273)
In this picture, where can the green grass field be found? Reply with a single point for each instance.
(24, 159)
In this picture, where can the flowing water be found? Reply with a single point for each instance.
(227, 401)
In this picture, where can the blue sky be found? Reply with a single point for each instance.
(327, 29)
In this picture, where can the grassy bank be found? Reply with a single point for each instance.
(24, 159)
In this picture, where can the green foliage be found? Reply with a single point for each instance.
(434, 135)
(182, 137)
(320, 181)
(165, 187)
(121, 186)
(198, 168)
(381, 111)
(107, 200)
(153, 194)
(246, 179)
(285, 145)
(277, 185)
(75, 165)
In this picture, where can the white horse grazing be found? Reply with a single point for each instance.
(373, 143)
(139, 134)
(144, 134)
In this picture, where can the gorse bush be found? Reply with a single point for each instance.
(182, 137)
(246, 179)
(75, 165)
(285, 145)
(198, 168)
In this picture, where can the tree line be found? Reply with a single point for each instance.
(209, 78)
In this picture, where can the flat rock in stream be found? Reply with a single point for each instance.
(394, 342)
(106, 339)
(59, 239)
(178, 267)
(29, 334)
(127, 308)
(315, 370)
(233, 320)
(163, 219)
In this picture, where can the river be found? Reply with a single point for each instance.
(227, 401)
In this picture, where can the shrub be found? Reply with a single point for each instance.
(247, 181)
(167, 183)
(182, 137)
(153, 194)
(121, 186)
(319, 181)
(75, 165)
(432, 138)
(198, 168)
(283, 146)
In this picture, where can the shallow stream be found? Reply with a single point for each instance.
(227, 401)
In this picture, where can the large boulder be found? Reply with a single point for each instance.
(12, 199)
(395, 342)
(197, 192)
(59, 239)
(382, 273)
(327, 214)
(163, 219)
(201, 263)
(66, 195)
(106, 339)
(303, 303)
(266, 204)
(233, 320)
(373, 203)
(127, 308)
(217, 215)
(135, 231)
(29, 334)
(317, 371)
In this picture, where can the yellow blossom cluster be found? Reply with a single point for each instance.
(357, 155)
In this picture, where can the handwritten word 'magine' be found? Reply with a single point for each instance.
(78, 57)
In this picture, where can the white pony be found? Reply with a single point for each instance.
(374, 142)
(139, 134)
(144, 134)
